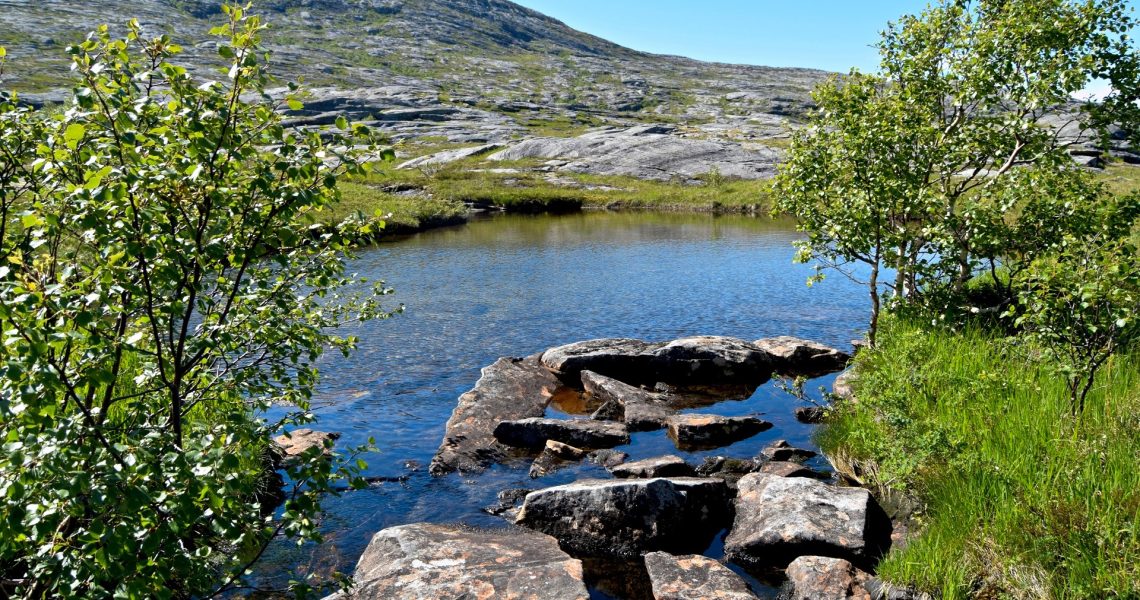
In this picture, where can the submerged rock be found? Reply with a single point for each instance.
(509, 500)
(536, 432)
(695, 431)
(424, 561)
(823, 578)
(296, 442)
(693, 577)
(795, 356)
(638, 409)
(810, 414)
(627, 517)
(779, 518)
(661, 466)
(511, 388)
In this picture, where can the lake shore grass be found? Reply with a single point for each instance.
(1017, 497)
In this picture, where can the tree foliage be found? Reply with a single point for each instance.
(954, 159)
(158, 290)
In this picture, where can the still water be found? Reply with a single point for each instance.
(516, 285)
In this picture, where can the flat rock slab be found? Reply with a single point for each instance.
(693, 577)
(555, 456)
(511, 388)
(697, 431)
(781, 450)
(661, 466)
(581, 433)
(795, 356)
(296, 442)
(780, 518)
(790, 469)
(690, 360)
(448, 156)
(426, 561)
(824, 578)
(625, 518)
(639, 409)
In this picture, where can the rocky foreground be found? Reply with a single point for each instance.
(782, 518)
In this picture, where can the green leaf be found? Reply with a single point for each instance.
(294, 104)
(73, 134)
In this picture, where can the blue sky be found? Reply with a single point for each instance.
(824, 34)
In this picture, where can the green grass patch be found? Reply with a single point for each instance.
(1020, 499)
(1121, 178)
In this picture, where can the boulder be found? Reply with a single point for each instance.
(638, 409)
(621, 358)
(824, 578)
(810, 414)
(607, 458)
(296, 442)
(779, 518)
(425, 561)
(711, 359)
(661, 466)
(781, 450)
(795, 356)
(626, 517)
(511, 388)
(697, 431)
(534, 432)
(555, 456)
(730, 469)
(509, 500)
(842, 385)
(693, 577)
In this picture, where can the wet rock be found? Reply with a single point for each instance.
(508, 500)
(810, 414)
(790, 469)
(448, 156)
(296, 442)
(695, 431)
(795, 356)
(729, 468)
(781, 450)
(842, 386)
(638, 409)
(779, 518)
(425, 562)
(621, 358)
(555, 456)
(693, 577)
(607, 458)
(711, 359)
(661, 466)
(511, 388)
(824, 578)
(881, 590)
(582, 433)
(627, 517)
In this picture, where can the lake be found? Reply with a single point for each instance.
(515, 285)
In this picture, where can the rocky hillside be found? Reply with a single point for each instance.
(486, 70)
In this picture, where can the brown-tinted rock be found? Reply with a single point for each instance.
(580, 433)
(711, 359)
(695, 431)
(661, 466)
(781, 450)
(511, 388)
(823, 578)
(622, 358)
(627, 517)
(790, 469)
(795, 356)
(425, 562)
(638, 409)
(779, 518)
(555, 456)
(693, 577)
(296, 442)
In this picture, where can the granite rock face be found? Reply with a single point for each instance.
(780, 518)
(300, 440)
(661, 466)
(693, 577)
(511, 388)
(425, 561)
(823, 578)
(623, 359)
(691, 360)
(627, 517)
